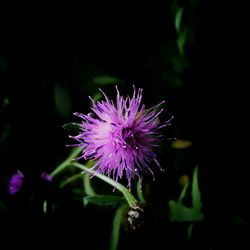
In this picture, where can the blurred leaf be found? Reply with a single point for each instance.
(182, 38)
(97, 97)
(179, 63)
(78, 191)
(174, 7)
(117, 221)
(5, 132)
(196, 196)
(189, 231)
(6, 102)
(191, 37)
(238, 220)
(105, 80)
(179, 212)
(172, 78)
(178, 17)
(102, 200)
(195, 2)
(72, 127)
(3, 207)
(62, 100)
(181, 144)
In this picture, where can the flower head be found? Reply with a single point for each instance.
(15, 183)
(121, 137)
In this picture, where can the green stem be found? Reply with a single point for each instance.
(128, 196)
(87, 185)
(183, 193)
(67, 162)
(117, 222)
(139, 191)
(70, 179)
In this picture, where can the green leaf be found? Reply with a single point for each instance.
(62, 100)
(72, 127)
(178, 212)
(196, 196)
(174, 7)
(117, 221)
(127, 194)
(195, 2)
(172, 78)
(97, 97)
(102, 200)
(105, 80)
(179, 63)
(182, 40)
(178, 17)
(78, 192)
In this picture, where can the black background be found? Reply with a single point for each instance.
(69, 45)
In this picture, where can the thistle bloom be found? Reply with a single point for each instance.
(15, 183)
(121, 137)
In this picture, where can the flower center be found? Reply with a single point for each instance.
(129, 139)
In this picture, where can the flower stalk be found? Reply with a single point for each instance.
(66, 163)
(128, 196)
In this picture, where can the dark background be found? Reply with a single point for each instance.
(49, 56)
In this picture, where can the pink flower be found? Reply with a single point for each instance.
(121, 137)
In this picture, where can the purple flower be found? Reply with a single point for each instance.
(46, 176)
(15, 183)
(121, 137)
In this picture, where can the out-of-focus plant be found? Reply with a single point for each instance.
(181, 213)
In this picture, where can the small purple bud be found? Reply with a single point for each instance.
(15, 183)
(46, 176)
